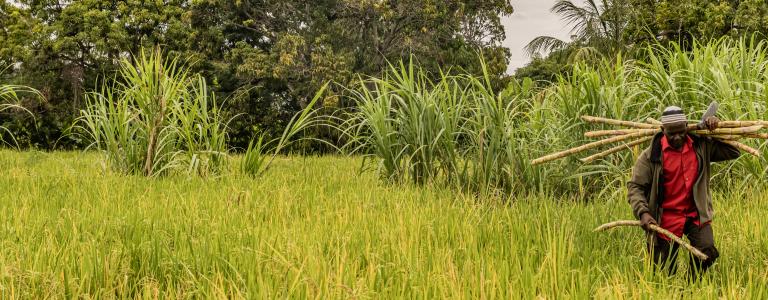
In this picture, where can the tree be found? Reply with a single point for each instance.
(597, 29)
(63, 48)
(544, 70)
(279, 53)
(265, 57)
(683, 21)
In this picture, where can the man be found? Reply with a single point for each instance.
(670, 188)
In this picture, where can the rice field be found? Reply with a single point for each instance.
(315, 227)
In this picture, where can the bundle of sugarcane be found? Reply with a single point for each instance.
(640, 132)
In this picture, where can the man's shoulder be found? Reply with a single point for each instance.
(700, 139)
(645, 154)
(647, 151)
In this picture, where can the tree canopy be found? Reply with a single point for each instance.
(265, 57)
(606, 28)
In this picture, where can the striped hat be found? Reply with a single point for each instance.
(672, 114)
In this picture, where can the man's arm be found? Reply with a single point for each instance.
(719, 151)
(722, 151)
(638, 188)
(640, 184)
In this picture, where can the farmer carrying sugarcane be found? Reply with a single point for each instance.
(670, 188)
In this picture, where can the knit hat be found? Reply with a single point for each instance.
(672, 114)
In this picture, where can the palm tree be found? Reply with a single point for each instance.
(596, 29)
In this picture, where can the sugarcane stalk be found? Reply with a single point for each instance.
(740, 136)
(605, 153)
(658, 229)
(652, 121)
(743, 147)
(599, 133)
(727, 137)
(620, 138)
(757, 135)
(592, 119)
(732, 124)
(728, 131)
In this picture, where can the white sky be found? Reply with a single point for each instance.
(531, 18)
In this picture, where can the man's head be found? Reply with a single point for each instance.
(675, 126)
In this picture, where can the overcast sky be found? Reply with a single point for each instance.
(532, 18)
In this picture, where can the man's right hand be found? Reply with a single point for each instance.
(646, 220)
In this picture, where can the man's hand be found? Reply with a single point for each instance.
(646, 220)
(712, 122)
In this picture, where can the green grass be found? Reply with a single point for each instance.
(316, 228)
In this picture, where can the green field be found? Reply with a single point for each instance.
(317, 228)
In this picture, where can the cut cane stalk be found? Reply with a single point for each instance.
(605, 153)
(652, 121)
(739, 136)
(743, 147)
(757, 135)
(592, 119)
(558, 155)
(658, 229)
(727, 137)
(729, 131)
(732, 124)
(599, 133)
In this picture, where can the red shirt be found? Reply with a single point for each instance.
(681, 169)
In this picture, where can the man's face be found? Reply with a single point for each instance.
(676, 134)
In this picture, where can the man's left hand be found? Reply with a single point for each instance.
(712, 123)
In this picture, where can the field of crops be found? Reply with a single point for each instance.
(314, 227)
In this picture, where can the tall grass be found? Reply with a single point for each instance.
(454, 130)
(457, 130)
(314, 228)
(155, 119)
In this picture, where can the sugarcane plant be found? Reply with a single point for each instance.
(158, 118)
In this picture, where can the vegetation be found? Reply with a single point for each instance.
(597, 29)
(456, 129)
(260, 154)
(10, 102)
(624, 28)
(159, 120)
(462, 133)
(454, 207)
(79, 231)
(267, 58)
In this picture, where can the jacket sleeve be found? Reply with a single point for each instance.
(721, 151)
(640, 184)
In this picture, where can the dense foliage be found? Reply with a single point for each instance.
(605, 28)
(265, 58)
